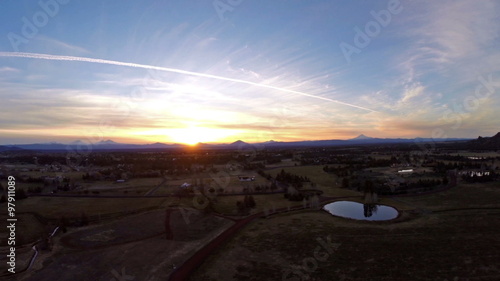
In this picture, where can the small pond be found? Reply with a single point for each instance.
(359, 211)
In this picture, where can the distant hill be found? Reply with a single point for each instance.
(362, 137)
(489, 143)
(111, 145)
(238, 143)
(9, 148)
(86, 146)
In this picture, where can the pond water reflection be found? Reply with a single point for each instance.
(359, 211)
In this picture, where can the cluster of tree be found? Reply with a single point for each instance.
(266, 187)
(292, 179)
(41, 159)
(247, 204)
(31, 179)
(253, 166)
(351, 159)
(372, 162)
(369, 187)
(441, 167)
(299, 195)
(296, 196)
(265, 175)
(273, 160)
(339, 171)
(424, 183)
(89, 177)
(484, 178)
(19, 195)
(110, 174)
(37, 189)
(147, 174)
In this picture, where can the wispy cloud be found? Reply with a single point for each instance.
(450, 36)
(58, 46)
(8, 69)
(180, 71)
(411, 92)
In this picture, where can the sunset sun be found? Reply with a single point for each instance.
(194, 135)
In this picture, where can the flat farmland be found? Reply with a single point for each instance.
(28, 229)
(135, 245)
(225, 180)
(432, 247)
(129, 184)
(464, 195)
(328, 183)
(56, 207)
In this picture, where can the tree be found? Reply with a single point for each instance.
(368, 186)
(251, 202)
(246, 201)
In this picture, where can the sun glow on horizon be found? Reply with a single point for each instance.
(191, 135)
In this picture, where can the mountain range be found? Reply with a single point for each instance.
(111, 145)
(492, 143)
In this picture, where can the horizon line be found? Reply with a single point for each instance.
(77, 142)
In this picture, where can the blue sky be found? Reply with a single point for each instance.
(313, 70)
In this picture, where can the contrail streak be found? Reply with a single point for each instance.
(166, 69)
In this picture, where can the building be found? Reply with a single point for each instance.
(246, 178)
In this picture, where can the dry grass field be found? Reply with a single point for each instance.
(452, 245)
(135, 245)
(328, 183)
(55, 207)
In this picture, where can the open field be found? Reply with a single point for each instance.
(72, 175)
(227, 181)
(283, 163)
(135, 245)
(227, 204)
(328, 183)
(448, 234)
(437, 247)
(128, 185)
(478, 195)
(28, 229)
(55, 207)
(450, 245)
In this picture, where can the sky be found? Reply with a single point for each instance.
(188, 71)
